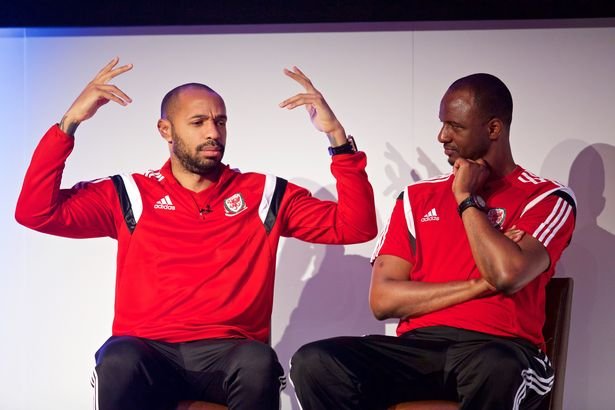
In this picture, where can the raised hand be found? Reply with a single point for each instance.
(97, 93)
(320, 113)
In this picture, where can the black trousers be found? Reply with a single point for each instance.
(140, 374)
(373, 372)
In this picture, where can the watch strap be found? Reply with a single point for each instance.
(350, 147)
(473, 201)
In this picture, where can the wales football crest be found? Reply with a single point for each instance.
(234, 205)
(497, 216)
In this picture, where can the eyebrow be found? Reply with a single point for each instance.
(206, 117)
(453, 123)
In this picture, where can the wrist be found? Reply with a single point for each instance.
(483, 287)
(68, 125)
(349, 147)
(461, 196)
(337, 137)
(471, 201)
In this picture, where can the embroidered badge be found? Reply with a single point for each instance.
(496, 216)
(234, 205)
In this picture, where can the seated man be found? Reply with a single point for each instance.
(463, 263)
(197, 246)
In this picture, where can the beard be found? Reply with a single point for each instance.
(472, 153)
(192, 162)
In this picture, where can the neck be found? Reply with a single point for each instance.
(500, 161)
(500, 170)
(192, 181)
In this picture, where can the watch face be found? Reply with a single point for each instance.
(480, 201)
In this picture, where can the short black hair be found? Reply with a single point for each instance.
(491, 96)
(171, 97)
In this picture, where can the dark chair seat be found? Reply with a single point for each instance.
(200, 405)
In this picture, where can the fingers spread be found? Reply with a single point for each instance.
(106, 77)
(300, 99)
(108, 72)
(299, 77)
(107, 67)
(116, 92)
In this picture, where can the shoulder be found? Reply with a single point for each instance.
(539, 188)
(425, 185)
(252, 178)
(430, 184)
(433, 181)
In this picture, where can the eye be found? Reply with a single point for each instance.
(221, 123)
(197, 123)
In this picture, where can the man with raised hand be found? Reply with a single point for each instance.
(197, 246)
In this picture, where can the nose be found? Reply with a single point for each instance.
(213, 132)
(443, 135)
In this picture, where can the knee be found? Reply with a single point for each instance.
(312, 361)
(256, 358)
(508, 360)
(121, 355)
(255, 372)
(499, 362)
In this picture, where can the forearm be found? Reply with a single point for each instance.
(337, 136)
(355, 210)
(82, 212)
(350, 219)
(69, 124)
(499, 259)
(391, 298)
(41, 186)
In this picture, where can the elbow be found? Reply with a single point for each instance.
(368, 226)
(23, 212)
(24, 218)
(506, 289)
(507, 282)
(363, 235)
(29, 219)
(372, 230)
(379, 308)
(370, 234)
(380, 314)
(369, 230)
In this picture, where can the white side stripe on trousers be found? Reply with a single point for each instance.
(532, 381)
(94, 383)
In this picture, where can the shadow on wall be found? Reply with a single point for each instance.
(334, 295)
(401, 174)
(590, 260)
(331, 286)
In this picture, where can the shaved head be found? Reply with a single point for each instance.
(169, 102)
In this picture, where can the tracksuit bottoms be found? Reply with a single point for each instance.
(480, 371)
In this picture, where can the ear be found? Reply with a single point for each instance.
(495, 128)
(164, 128)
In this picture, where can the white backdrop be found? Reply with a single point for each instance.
(383, 82)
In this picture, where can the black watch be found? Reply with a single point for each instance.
(473, 201)
(350, 147)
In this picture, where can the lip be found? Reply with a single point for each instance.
(448, 151)
(211, 152)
